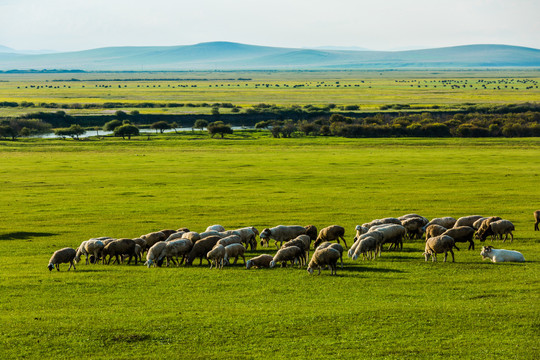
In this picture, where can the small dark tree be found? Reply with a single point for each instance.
(174, 126)
(121, 115)
(161, 126)
(112, 125)
(200, 124)
(73, 131)
(126, 130)
(218, 127)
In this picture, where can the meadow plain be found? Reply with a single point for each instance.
(444, 89)
(58, 193)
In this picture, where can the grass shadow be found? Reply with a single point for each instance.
(23, 235)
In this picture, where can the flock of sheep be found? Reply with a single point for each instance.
(219, 246)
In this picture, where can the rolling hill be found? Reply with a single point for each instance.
(235, 56)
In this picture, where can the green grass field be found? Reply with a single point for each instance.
(368, 89)
(59, 193)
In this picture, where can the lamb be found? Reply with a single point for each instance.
(154, 253)
(330, 233)
(216, 255)
(119, 247)
(261, 261)
(281, 233)
(415, 227)
(232, 239)
(322, 258)
(176, 248)
(65, 255)
(434, 230)
(234, 251)
(335, 246)
(201, 248)
(291, 253)
(498, 228)
(467, 220)
(153, 238)
(447, 222)
(536, 219)
(366, 247)
(300, 244)
(461, 234)
(217, 228)
(91, 249)
(311, 231)
(501, 255)
(437, 245)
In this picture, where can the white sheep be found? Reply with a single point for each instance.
(65, 255)
(501, 255)
(216, 256)
(437, 245)
(177, 248)
(234, 251)
(446, 222)
(322, 258)
(152, 257)
(210, 233)
(366, 247)
(392, 234)
(280, 234)
(335, 246)
(217, 228)
(89, 247)
(248, 236)
(502, 227)
(467, 220)
(261, 261)
(231, 239)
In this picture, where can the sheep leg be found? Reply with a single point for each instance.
(451, 252)
(342, 238)
(243, 257)
(211, 264)
(512, 235)
(235, 260)
(57, 267)
(471, 244)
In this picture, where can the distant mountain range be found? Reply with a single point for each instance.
(235, 56)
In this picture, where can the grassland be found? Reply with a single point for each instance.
(58, 193)
(368, 89)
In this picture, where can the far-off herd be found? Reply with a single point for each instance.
(219, 246)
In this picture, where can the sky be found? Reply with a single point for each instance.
(70, 25)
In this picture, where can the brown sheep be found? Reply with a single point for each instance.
(330, 233)
(484, 227)
(437, 245)
(65, 255)
(120, 247)
(301, 245)
(168, 232)
(434, 230)
(261, 261)
(536, 219)
(312, 232)
(414, 227)
(153, 238)
(461, 234)
(467, 220)
(201, 248)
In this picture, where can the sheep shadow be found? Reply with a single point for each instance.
(369, 269)
(24, 235)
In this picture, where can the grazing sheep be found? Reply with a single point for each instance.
(175, 249)
(141, 243)
(232, 239)
(138, 252)
(359, 231)
(216, 256)
(193, 236)
(291, 253)
(65, 255)
(261, 261)
(461, 234)
(311, 231)
(467, 220)
(217, 228)
(384, 221)
(377, 235)
(335, 246)
(536, 219)
(447, 222)
(366, 247)
(210, 233)
(281, 233)
(118, 248)
(485, 227)
(392, 234)
(306, 239)
(300, 244)
(322, 258)
(248, 236)
(153, 238)
(476, 225)
(201, 248)
(409, 216)
(437, 245)
(330, 233)
(184, 229)
(498, 229)
(154, 253)
(434, 230)
(415, 227)
(175, 236)
(501, 255)
(168, 232)
(234, 251)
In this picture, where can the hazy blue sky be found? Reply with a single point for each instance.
(374, 24)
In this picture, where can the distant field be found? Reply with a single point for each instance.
(58, 193)
(368, 89)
